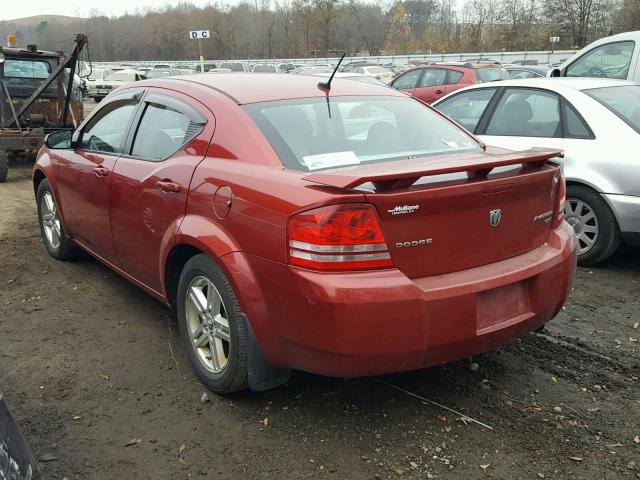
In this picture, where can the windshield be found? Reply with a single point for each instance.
(121, 77)
(492, 74)
(234, 67)
(95, 75)
(31, 69)
(264, 68)
(624, 101)
(311, 134)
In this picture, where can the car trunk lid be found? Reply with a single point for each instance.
(449, 213)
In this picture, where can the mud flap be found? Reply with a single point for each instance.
(262, 376)
(16, 459)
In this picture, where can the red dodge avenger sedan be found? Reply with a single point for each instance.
(345, 231)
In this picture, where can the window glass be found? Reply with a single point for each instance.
(522, 74)
(491, 74)
(575, 126)
(15, 68)
(308, 134)
(408, 80)
(106, 133)
(433, 77)
(454, 77)
(606, 61)
(526, 112)
(624, 101)
(467, 108)
(161, 133)
(122, 77)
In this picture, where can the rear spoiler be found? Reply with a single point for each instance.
(403, 173)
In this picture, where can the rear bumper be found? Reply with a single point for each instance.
(626, 208)
(355, 324)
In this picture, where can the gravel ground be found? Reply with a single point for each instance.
(93, 370)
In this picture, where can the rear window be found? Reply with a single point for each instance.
(264, 68)
(234, 67)
(33, 69)
(492, 74)
(311, 134)
(624, 101)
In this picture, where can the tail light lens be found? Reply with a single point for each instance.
(561, 196)
(338, 237)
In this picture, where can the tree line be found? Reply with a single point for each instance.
(308, 28)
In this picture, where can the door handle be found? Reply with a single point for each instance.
(101, 171)
(168, 186)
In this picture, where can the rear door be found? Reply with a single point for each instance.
(150, 182)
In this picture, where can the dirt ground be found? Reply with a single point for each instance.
(94, 372)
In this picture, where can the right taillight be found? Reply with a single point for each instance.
(561, 195)
(337, 237)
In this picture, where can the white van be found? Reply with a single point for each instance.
(610, 57)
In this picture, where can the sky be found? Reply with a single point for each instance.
(12, 9)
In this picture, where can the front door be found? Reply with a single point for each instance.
(83, 174)
(432, 85)
(150, 182)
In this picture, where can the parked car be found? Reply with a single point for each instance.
(615, 56)
(161, 72)
(431, 82)
(357, 77)
(267, 68)
(114, 80)
(383, 74)
(597, 125)
(235, 66)
(313, 224)
(527, 71)
(96, 77)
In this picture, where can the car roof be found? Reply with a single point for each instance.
(575, 83)
(258, 87)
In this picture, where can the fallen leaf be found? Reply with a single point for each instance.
(636, 325)
(485, 466)
(183, 447)
(77, 417)
(613, 445)
(636, 439)
(133, 441)
(442, 418)
(631, 339)
(553, 380)
(47, 457)
(265, 422)
(576, 459)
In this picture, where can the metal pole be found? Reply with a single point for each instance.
(200, 54)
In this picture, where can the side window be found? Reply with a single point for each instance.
(162, 132)
(408, 80)
(524, 112)
(515, 74)
(606, 61)
(574, 126)
(433, 77)
(454, 77)
(467, 108)
(106, 131)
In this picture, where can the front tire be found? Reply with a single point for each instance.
(594, 223)
(58, 245)
(212, 326)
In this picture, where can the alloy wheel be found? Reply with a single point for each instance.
(50, 220)
(208, 324)
(584, 222)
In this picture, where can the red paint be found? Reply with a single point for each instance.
(473, 288)
(430, 94)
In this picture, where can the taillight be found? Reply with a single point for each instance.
(561, 196)
(338, 237)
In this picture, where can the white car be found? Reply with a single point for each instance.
(96, 78)
(115, 80)
(383, 74)
(597, 124)
(267, 68)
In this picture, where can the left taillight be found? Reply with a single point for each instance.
(561, 196)
(337, 237)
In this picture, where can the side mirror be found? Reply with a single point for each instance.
(62, 139)
(555, 73)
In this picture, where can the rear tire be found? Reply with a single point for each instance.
(594, 223)
(58, 245)
(4, 165)
(212, 326)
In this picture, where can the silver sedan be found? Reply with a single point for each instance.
(597, 124)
